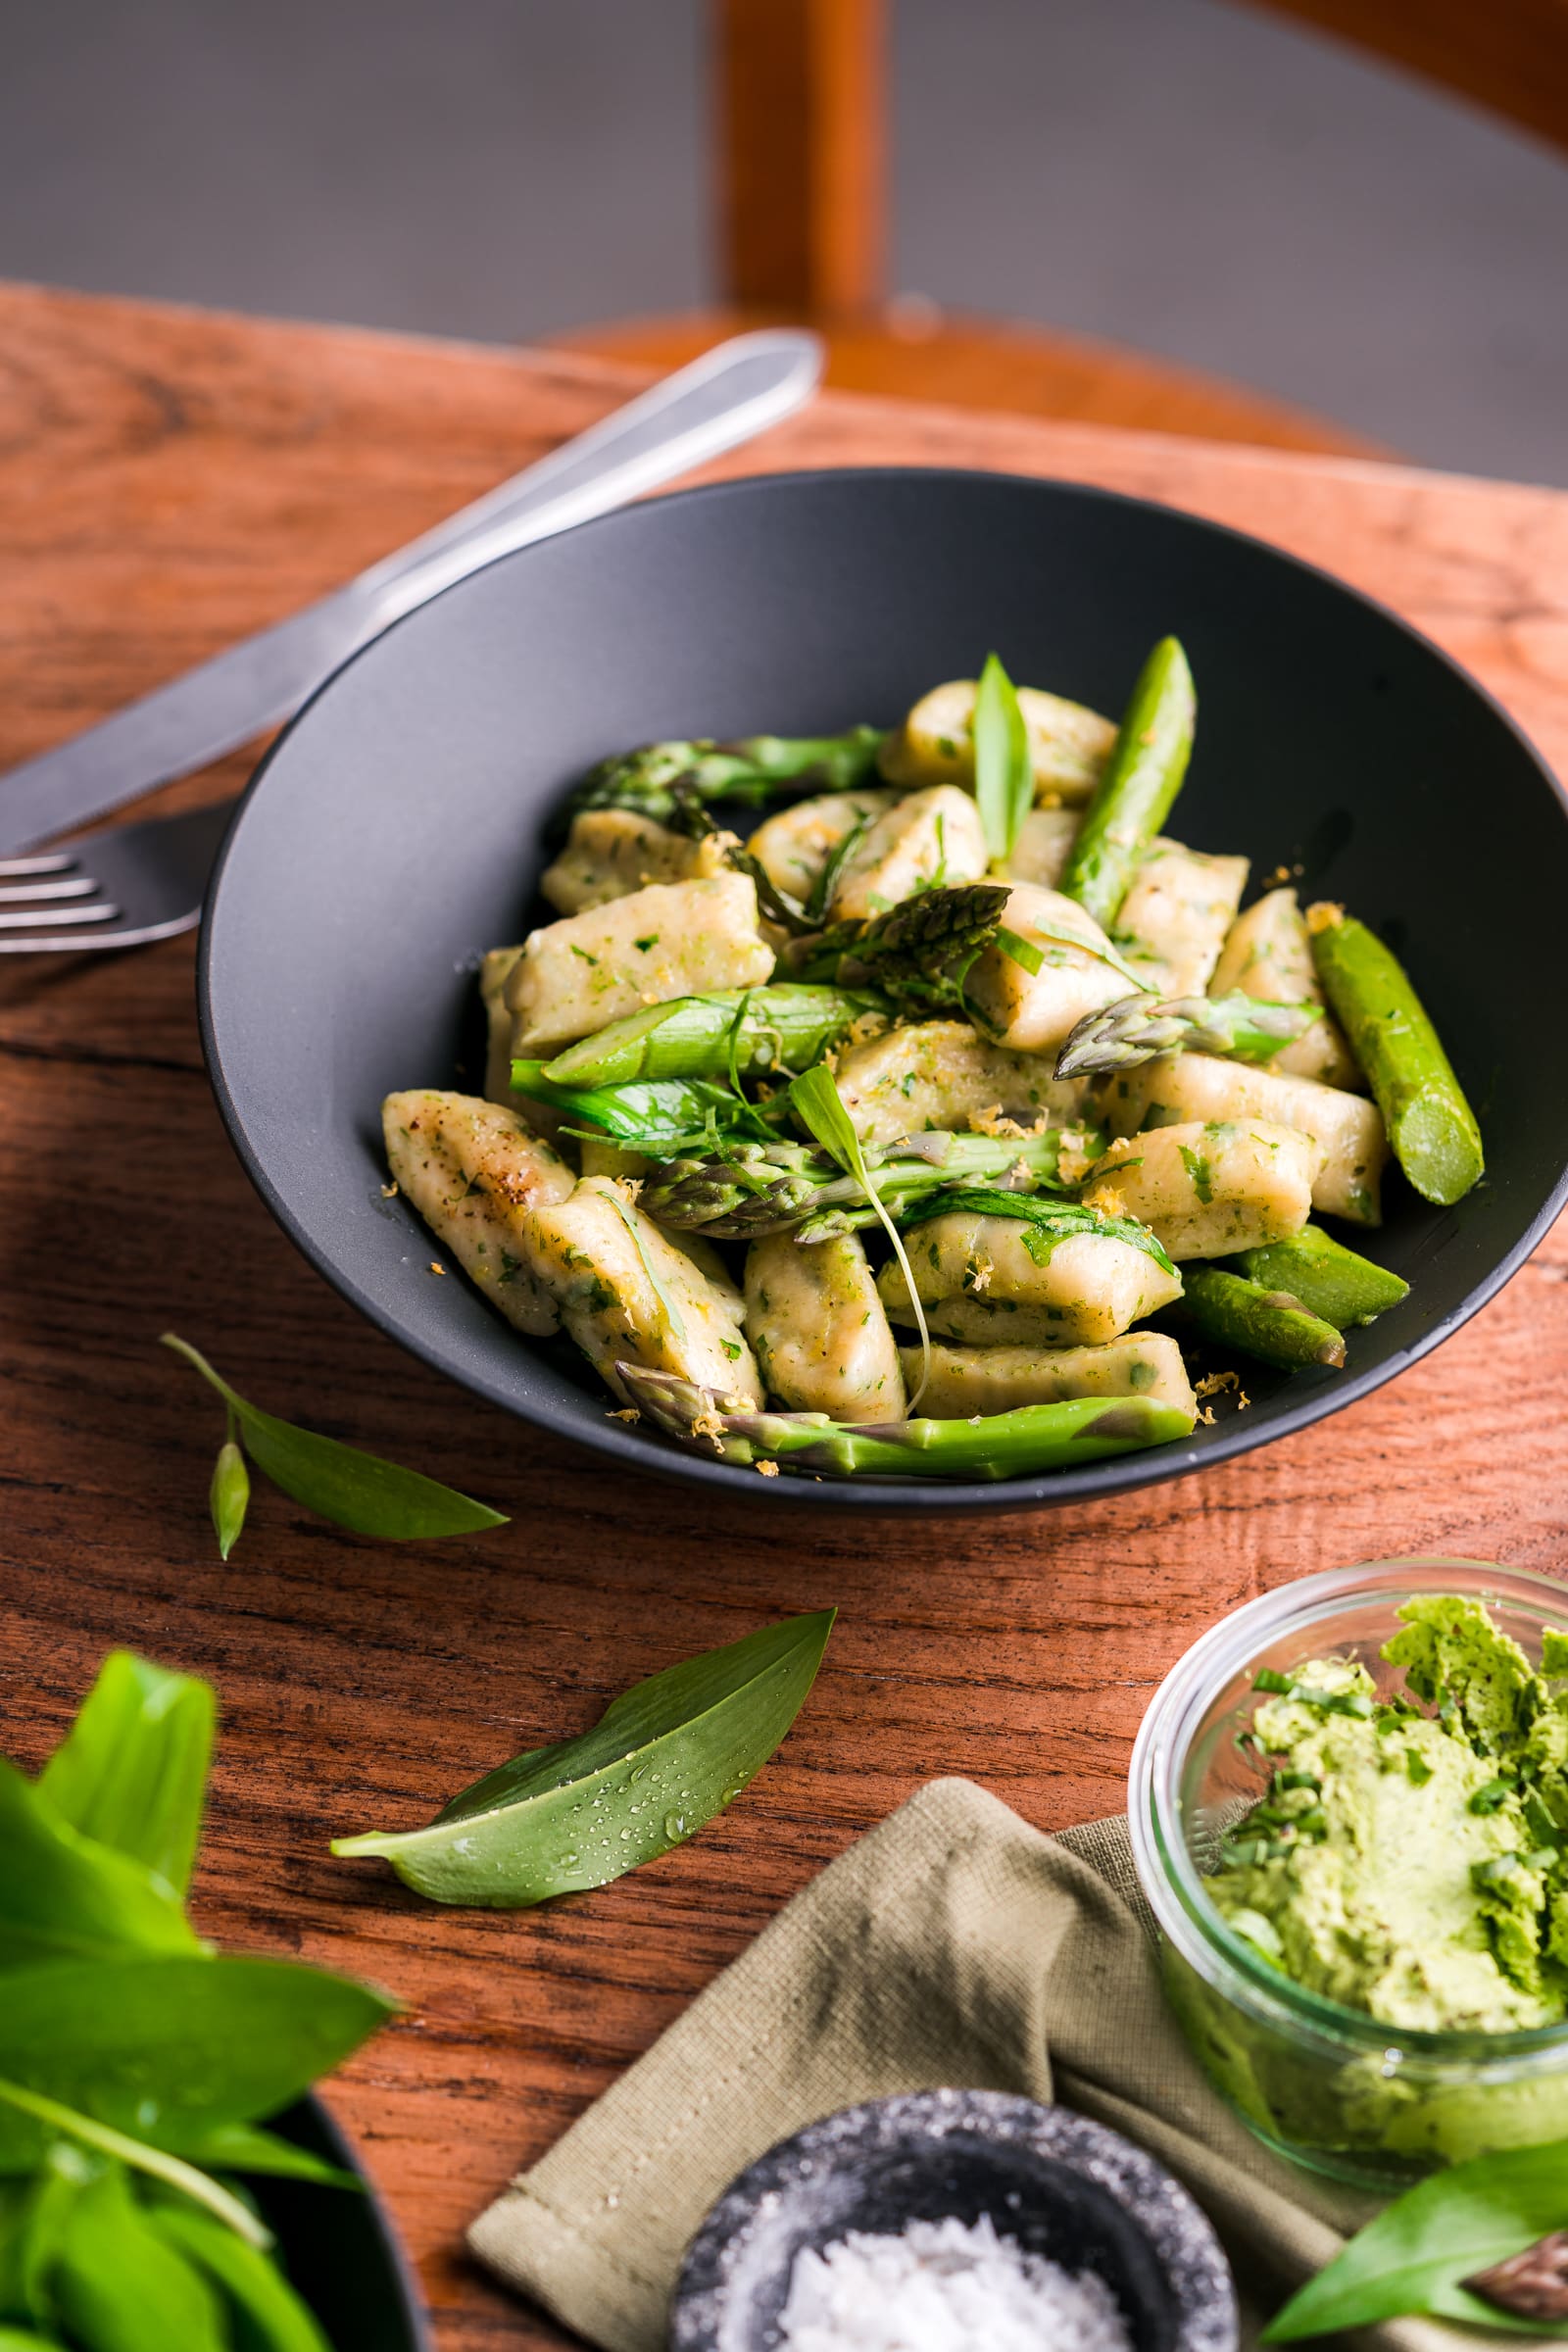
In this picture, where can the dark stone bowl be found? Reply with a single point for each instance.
(396, 830)
(1052, 2181)
(340, 2251)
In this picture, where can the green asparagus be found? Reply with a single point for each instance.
(657, 777)
(1431, 1126)
(1135, 1030)
(752, 1031)
(1272, 1325)
(918, 952)
(750, 1188)
(1328, 1279)
(1138, 786)
(995, 1446)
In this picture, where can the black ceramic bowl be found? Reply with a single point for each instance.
(339, 2250)
(394, 833)
(1052, 2181)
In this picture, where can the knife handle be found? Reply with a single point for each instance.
(736, 390)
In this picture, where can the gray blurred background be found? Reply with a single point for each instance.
(1177, 175)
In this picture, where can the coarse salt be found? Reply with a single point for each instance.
(944, 2286)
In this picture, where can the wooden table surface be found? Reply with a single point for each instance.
(170, 480)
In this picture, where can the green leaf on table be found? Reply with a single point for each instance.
(166, 2049)
(123, 2286)
(662, 1759)
(816, 1102)
(132, 1771)
(275, 2318)
(356, 1491)
(1003, 772)
(66, 1896)
(1418, 2251)
(228, 1497)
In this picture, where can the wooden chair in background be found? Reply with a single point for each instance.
(801, 190)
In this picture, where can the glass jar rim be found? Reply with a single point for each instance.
(1171, 1881)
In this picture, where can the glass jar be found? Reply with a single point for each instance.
(1328, 2086)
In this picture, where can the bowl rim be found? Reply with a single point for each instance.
(663, 1459)
(1170, 1881)
(1179, 2234)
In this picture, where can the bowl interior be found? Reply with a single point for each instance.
(1053, 2183)
(1042, 2204)
(395, 833)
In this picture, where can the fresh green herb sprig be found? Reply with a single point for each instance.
(662, 1116)
(816, 1102)
(1003, 772)
(1048, 1222)
(662, 1759)
(136, 2064)
(358, 1491)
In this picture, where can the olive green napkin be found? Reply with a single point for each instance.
(953, 1944)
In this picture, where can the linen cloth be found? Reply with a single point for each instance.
(953, 1944)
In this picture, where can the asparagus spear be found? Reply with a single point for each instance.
(754, 770)
(1133, 1029)
(755, 1030)
(1431, 1126)
(1272, 1325)
(752, 1189)
(1139, 783)
(1015, 1445)
(918, 952)
(1328, 1279)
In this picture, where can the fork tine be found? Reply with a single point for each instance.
(58, 862)
(17, 894)
(55, 919)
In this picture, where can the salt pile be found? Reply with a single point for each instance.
(944, 2286)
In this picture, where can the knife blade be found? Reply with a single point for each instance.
(718, 400)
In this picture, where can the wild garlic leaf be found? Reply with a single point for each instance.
(36, 2215)
(647, 1115)
(121, 2287)
(275, 2319)
(203, 2041)
(22, 2110)
(228, 1497)
(64, 1897)
(132, 1771)
(248, 2148)
(816, 1102)
(356, 1491)
(1003, 772)
(1049, 1221)
(1415, 2254)
(662, 1759)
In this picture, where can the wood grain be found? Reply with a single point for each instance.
(167, 481)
